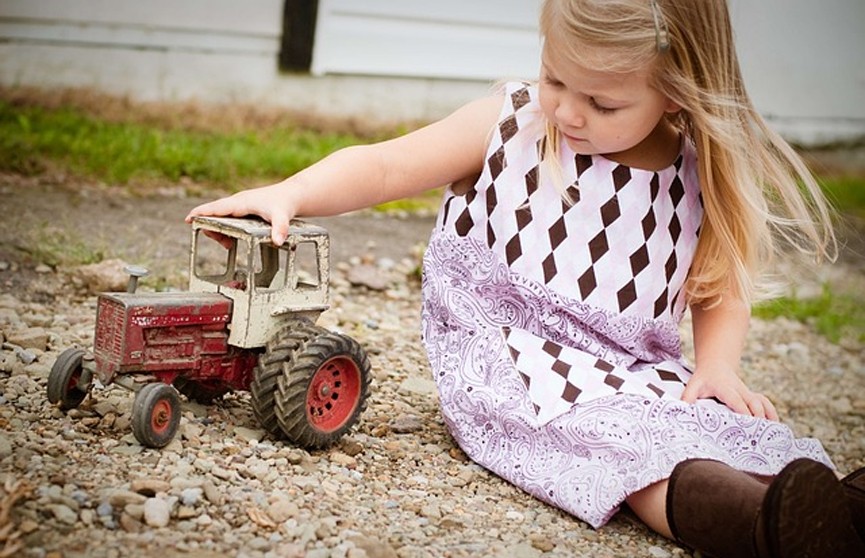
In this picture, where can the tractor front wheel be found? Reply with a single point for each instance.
(64, 378)
(155, 415)
(323, 390)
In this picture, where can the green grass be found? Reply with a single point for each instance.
(120, 152)
(54, 248)
(833, 315)
(426, 203)
(847, 194)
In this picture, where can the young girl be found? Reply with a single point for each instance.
(585, 214)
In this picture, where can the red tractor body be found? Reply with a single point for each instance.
(169, 335)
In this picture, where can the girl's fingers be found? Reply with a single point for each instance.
(243, 204)
(690, 393)
(760, 406)
(753, 404)
(742, 401)
(771, 412)
(218, 208)
(756, 407)
(237, 205)
(279, 228)
(224, 241)
(736, 402)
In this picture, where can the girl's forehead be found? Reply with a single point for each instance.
(591, 68)
(566, 47)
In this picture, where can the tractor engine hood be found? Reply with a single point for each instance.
(134, 329)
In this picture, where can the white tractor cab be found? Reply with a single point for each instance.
(267, 284)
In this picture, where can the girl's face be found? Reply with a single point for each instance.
(603, 113)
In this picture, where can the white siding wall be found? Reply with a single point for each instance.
(394, 60)
(483, 39)
(804, 65)
(154, 49)
(209, 25)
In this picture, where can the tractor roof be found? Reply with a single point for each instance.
(255, 227)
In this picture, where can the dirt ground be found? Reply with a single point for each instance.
(51, 218)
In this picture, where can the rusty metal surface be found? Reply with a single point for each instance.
(138, 332)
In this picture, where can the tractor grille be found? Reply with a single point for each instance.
(110, 330)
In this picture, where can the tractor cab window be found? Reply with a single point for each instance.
(294, 265)
(233, 263)
(221, 260)
(307, 265)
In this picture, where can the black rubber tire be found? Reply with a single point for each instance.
(155, 414)
(332, 361)
(272, 365)
(200, 392)
(63, 380)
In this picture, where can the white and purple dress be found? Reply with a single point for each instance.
(552, 326)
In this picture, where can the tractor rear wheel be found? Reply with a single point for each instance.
(323, 390)
(63, 380)
(272, 365)
(155, 414)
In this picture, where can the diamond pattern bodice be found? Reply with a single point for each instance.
(624, 239)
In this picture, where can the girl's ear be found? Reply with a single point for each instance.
(672, 106)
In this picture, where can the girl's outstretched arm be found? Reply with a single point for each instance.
(719, 338)
(366, 175)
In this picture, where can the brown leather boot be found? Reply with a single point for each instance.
(729, 514)
(854, 488)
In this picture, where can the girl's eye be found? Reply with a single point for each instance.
(552, 81)
(601, 109)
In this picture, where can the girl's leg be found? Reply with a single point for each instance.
(650, 505)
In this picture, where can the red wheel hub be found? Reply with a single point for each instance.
(73, 380)
(333, 393)
(160, 418)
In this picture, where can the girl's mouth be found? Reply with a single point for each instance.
(574, 138)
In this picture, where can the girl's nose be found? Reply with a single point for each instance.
(569, 113)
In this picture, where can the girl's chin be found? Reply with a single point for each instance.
(581, 146)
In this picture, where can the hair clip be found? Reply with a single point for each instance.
(662, 37)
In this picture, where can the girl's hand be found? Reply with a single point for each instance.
(268, 202)
(725, 384)
(719, 338)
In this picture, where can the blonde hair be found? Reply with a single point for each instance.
(756, 190)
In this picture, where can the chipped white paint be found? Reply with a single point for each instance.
(264, 282)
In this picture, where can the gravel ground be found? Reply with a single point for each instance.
(397, 486)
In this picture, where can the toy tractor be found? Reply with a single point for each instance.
(247, 323)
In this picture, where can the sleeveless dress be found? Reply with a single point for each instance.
(551, 326)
